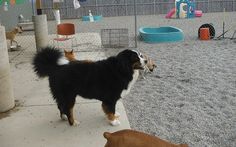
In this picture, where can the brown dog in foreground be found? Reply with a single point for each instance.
(12, 35)
(131, 138)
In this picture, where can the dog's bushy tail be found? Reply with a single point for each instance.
(45, 61)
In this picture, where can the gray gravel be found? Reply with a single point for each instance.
(190, 97)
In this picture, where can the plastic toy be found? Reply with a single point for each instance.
(171, 13)
(204, 34)
(211, 30)
(95, 18)
(161, 34)
(91, 17)
(184, 9)
(198, 13)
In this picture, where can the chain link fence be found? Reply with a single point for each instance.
(109, 10)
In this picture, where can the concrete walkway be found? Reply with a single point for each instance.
(35, 120)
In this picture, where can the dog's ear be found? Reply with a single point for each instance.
(106, 135)
(72, 51)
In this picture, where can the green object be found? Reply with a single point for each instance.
(20, 1)
(1, 1)
(8, 1)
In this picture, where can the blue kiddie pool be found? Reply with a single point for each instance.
(95, 17)
(161, 34)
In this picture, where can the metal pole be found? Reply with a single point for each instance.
(208, 6)
(126, 8)
(154, 7)
(223, 22)
(233, 5)
(33, 7)
(135, 24)
(96, 5)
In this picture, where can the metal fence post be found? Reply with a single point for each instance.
(126, 8)
(208, 5)
(154, 7)
(135, 24)
(233, 5)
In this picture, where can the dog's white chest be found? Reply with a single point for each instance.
(131, 83)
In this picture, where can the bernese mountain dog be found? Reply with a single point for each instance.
(106, 80)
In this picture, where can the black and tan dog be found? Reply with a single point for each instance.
(105, 80)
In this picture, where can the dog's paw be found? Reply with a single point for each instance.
(117, 114)
(115, 122)
(76, 123)
(63, 117)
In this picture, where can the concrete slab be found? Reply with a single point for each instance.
(41, 126)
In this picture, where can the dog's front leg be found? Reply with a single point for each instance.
(109, 110)
(11, 43)
(16, 43)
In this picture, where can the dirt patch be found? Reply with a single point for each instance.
(16, 108)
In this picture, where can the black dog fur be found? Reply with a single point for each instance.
(102, 80)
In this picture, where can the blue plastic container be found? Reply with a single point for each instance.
(160, 34)
(95, 17)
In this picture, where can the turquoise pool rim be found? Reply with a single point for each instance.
(95, 17)
(161, 34)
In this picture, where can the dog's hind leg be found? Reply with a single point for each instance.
(109, 110)
(71, 119)
(69, 111)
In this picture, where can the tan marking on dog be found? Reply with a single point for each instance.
(71, 118)
(110, 116)
(70, 55)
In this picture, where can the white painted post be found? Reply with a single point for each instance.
(57, 16)
(41, 31)
(6, 91)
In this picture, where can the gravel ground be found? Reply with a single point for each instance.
(191, 96)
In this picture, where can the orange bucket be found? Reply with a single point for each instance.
(204, 34)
